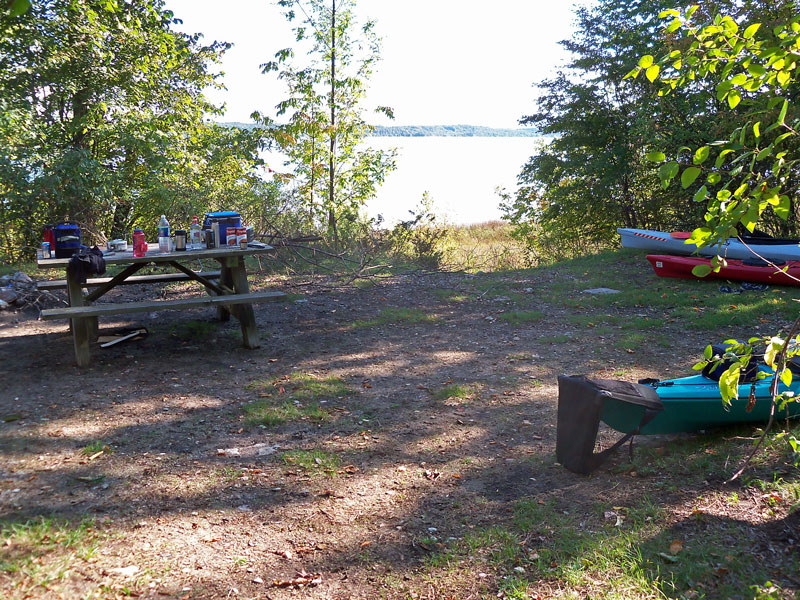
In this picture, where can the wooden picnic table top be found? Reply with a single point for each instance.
(154, 256)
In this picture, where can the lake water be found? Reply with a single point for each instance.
(460, 174)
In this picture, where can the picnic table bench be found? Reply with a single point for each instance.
(228, 291)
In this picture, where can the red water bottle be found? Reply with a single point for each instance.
(139, 245)
(49, 236)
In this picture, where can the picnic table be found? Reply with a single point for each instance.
(228, 290)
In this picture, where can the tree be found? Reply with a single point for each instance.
(750, 173)
(103, 117)
(594, 175)
(323, 137)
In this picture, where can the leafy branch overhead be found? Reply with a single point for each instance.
(750, 172)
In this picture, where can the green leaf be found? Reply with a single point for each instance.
(738, 79)
(701, 194)
(646, 61)
(774, 346)
(757, 129)
(708, 352)
(764, 153)
(721, 157)
(722, 89)
(633, 73)
(701, 155)
(667, 171)
(652, 72)
(734, 97)
(673, 26)
(782, 210)
(670, 12)
(701, 271)
(18, 7)
(751, 31)
(691, 10)
(689, 175)
(656, 156)
(713, 178)
(756, 70)
(729, 383)
(786, 377)
(782, 115)
(750, 218)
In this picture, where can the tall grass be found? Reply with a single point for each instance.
(487, 247)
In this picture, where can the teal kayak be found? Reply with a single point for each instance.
(694, 403)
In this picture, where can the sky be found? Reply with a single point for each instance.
(443, 61)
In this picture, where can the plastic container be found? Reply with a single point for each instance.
(49, 236)
(139, 245)
(225, 218)
(195, 235)
(67, 236)
(163, 235)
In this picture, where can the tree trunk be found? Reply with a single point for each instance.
(123, 208)
(332, 157)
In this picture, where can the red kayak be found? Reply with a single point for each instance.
(786, 273)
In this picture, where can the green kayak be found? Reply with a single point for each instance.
(694, 403)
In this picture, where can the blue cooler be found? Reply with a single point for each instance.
(226, 218)
(67, 238)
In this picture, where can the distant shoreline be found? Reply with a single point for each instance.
(449, 131)
(429, 130)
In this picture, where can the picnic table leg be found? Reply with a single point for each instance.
(244, 312)
(226, 281)
(81, 327)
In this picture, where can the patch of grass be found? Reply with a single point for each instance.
(231, 473)
(612, 552)
(263, 412)
(313, 461)
(364, 284)
(521, 356)
(632, 341)
(40, 552)
(93, 448)
(449, 295)
(292, 398)
(455, 391)
(555, 339)
(192, 331)
(522, 317)
(395, 315)
(487, 247)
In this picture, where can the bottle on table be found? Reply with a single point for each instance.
(195, 235)
(215, 229)
(163, 235)
(139, 245)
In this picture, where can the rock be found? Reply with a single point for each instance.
(20, 277)
(3, 305)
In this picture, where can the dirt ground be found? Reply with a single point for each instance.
(189, 500)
